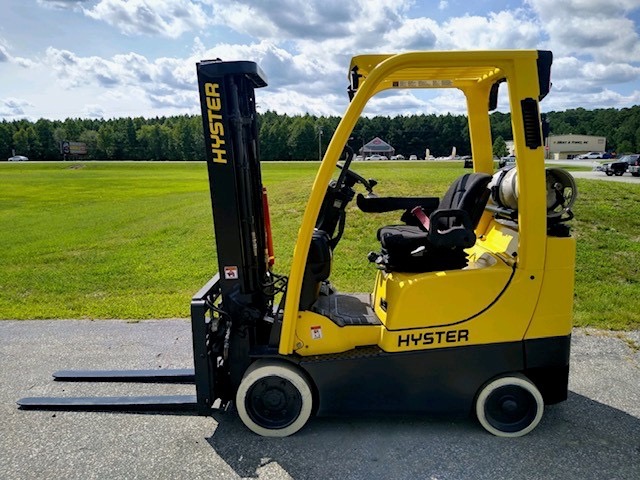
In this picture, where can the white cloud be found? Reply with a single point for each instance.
(597, 28)
(311, 19)
(61, 4)
(13, 107)
(93, 111)
(4, 55)
(295, 103)
(397, 103)
(169, 18)
(304, 46)
(605, 98)
(502, 30)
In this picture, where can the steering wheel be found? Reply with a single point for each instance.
(346, 172)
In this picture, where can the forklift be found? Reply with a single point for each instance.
(470, 310)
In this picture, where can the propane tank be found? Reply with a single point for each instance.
(561, 191)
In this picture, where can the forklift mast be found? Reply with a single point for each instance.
(231, 139)
(241, 294)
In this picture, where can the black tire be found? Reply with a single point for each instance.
(635, 174)
(608, 173)
(509, 406)
(274, 399)
(619, 173)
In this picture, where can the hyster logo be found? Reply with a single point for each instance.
(216, 128)
(430, 338)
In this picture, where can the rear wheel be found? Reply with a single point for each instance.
(274, 399)
(635, 174)
(509, 406)
(619, 173)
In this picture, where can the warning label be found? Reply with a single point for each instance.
(316, 332)
(231, 273)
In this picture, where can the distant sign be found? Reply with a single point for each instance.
(73, 148)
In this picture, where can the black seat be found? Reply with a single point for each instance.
(435, 239)
(317, 268)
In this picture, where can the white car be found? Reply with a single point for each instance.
(377, 157)
(413, 157)
(590, 156)
(18, 158)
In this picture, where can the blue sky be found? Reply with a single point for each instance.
(112, 58)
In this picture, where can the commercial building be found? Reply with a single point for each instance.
(377, 146)
(560, 147)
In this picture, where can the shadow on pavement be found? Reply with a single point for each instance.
(580, 438)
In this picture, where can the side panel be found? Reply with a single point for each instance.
(547, 365)
(432, 381)
(432, 299)
(554, 312)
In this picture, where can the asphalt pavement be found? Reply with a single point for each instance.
(594, 435)
(594, 175)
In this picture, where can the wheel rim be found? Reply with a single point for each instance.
(510, 408)
(273, 402)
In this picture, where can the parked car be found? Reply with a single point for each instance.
(413, 157)
(591, 156)
(468, 161)
(377, 157)
(634, 165)
(508, 160)
(397, 157)
(620, 166)
(18, 158)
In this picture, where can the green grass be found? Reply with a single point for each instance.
(134, 240)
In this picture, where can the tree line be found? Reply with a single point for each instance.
(297, 137)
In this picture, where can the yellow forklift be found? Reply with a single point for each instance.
(470, 309)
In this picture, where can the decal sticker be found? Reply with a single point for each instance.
(316, 332)
(231, 273)
(433, 337)
(216, 127)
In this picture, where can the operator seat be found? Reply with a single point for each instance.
(435, 239)
(317, 269)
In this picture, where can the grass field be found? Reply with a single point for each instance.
(134, 240)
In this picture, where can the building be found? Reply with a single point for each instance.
(377, 146)
(561, 147)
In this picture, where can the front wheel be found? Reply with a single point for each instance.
(635, 174)
(609, 173)
(274, 399)
(509, 406)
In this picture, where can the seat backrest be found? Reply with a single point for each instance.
(317, 268)
(468, 192)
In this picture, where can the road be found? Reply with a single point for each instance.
(594, 435)
(590, 175)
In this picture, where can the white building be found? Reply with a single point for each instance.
(560, 147)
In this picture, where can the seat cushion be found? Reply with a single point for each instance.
(398, 241)
(401, 238)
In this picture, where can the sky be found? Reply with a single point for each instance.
(120, 58)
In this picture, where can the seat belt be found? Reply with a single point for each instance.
(422, 218)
